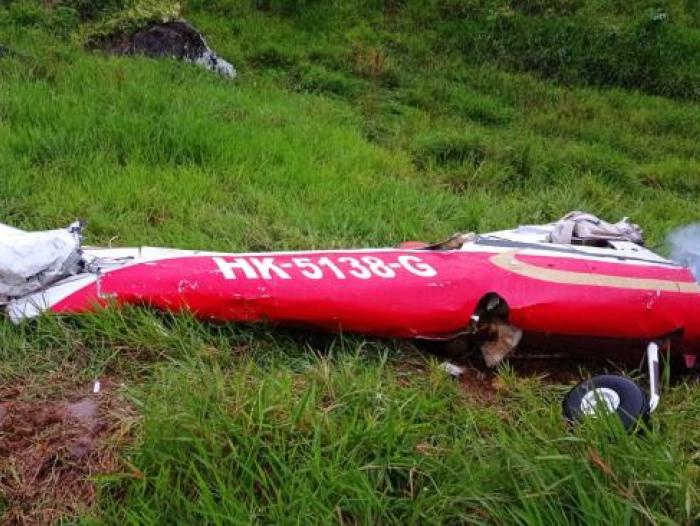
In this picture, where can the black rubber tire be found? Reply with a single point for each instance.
(634, 403)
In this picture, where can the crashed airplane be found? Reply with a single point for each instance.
(580, 285)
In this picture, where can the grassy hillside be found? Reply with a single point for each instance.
(351, 124)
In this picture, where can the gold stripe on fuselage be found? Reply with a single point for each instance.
(507, 261)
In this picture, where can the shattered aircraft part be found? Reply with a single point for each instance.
(505, 339)
(610, 297)
(31, 261)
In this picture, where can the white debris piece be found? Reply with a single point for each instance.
(5, 230)
(452, 369)
(30, 261)
(587, 227)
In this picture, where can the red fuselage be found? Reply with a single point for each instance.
(413, 293)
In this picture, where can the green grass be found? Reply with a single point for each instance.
(348, 126)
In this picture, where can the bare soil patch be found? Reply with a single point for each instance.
(50, 449)
(484, 385)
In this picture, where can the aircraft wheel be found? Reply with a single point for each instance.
(607, 393)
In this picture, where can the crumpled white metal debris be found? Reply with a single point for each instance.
(30, 261)
(584, 226)
(452, 369)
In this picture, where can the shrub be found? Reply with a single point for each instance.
(93, 9)
(646, 53)
(25, 14)
(63, 20)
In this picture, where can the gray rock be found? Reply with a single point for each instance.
(177, 39)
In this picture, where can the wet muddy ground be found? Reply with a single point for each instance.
(50, 449)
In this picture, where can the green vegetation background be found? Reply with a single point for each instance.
(355, 123)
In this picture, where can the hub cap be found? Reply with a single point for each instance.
(600, 399)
